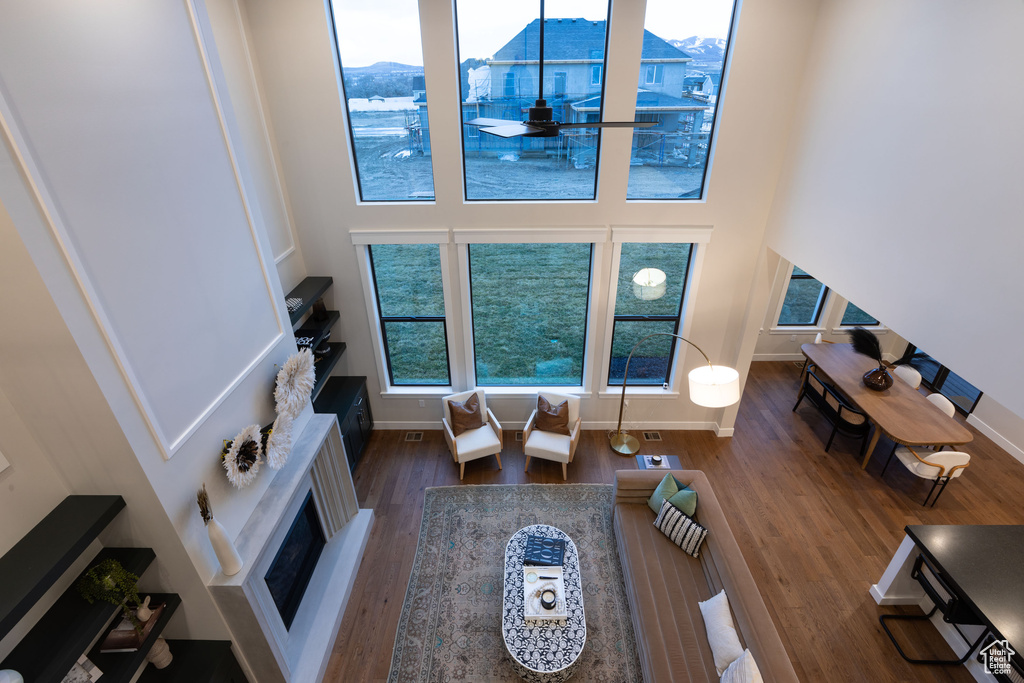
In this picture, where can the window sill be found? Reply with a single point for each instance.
(638, 391)
(417, 392)
(798, 329)
(531, 391)
(843, 329)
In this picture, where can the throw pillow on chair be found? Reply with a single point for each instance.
(465, 415)
(552, 418)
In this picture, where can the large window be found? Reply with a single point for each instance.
(856, 316)
(385, 96)
(683, 60)
(804, 300)
(410, 304)
(648, 299)
(500, 43)
(938, 377)
(529, 308)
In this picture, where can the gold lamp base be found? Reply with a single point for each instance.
(624, 444)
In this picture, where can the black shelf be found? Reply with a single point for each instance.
(309, 290)
(121, 666)
(55, 643)
(32, 566)
(322, 368)
(197, 661)
(318, 329)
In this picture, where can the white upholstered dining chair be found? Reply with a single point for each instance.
(549, 445)
(939, 466)
(473, 443)
(909, 375)
(942, 403)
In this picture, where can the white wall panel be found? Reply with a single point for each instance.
(112, 112)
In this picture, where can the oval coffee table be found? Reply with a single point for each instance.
(543, 650)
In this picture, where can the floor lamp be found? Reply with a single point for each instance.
(711, 386)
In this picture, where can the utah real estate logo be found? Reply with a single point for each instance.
(996, 658)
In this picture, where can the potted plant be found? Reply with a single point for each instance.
(110, 582)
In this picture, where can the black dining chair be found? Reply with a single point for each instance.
(843, 417)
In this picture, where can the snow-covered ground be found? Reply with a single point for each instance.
(389, 104)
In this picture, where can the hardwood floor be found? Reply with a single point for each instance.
(815, 529)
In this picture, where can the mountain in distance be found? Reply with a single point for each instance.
(702, 50)
(385, 69)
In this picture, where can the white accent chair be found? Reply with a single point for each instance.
(908, 375)
(549, 446)
(473, 443)
(943, 403)
(940, 467)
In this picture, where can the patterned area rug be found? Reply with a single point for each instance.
(450, 627)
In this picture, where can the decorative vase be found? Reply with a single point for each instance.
(10, 676)
(878, 379)
(160, 654)
(230, 561)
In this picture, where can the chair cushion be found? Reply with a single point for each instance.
(552, 418)
(946, 459)
(476, 443)
(680, 528)
(547, 446)
(721, 629)
(743, 670)
(466, 415)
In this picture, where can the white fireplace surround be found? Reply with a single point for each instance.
(274, 653)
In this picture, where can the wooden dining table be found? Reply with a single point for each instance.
(900, 412)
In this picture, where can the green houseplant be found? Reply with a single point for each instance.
(110, 582)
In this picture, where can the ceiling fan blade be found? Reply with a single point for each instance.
(489, 122)
(510, 131)
(610, 124)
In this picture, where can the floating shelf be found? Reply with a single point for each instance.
(196, 661)
(32, 566)
(323, 367)
(318, 329)
(122, 666)
(47, 653)
(309, 290)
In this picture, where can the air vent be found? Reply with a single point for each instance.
(414, 436)
(519, 436)
(652, 436)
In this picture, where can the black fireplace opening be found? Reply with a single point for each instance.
(293, 567)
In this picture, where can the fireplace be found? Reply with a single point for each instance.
(294, 563)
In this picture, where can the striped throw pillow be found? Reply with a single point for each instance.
(680, 528)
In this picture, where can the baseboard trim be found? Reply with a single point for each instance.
(777, 356)
(999, 439)
(510, 425)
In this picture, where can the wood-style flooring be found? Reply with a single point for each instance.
(815, 529)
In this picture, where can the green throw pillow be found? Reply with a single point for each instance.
(673, 491)
(686, 500)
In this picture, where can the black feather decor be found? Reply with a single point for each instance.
(865, 342)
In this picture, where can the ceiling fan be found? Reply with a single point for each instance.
(540, 124)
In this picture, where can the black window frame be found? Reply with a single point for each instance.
(382, 319)
(936, 383)
(818, 307)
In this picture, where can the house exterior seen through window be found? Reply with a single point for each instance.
(529, 307)
(648, 299)
(805, 297)
(381, 62)
(681, 68)
(410, 304)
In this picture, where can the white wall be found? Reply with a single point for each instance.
(902, 186)
(292, 43)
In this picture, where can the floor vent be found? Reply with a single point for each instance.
(652, 436)
(519, 436)
(414, 436)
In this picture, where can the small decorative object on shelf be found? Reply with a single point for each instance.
(279, 445)
(10, 676)
(110, 582)
(130, 634)
(230, 560)
(295, 384)
(242, 460)
(84, 671)
(865, 342)
(160, 654)
(293, 304)
(144, 612)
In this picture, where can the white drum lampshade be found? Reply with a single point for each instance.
(649, 284)
(714, 386)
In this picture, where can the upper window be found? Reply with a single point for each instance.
(938, 377)
(648, 300)
(381, 59)
(856, 316)
(529, 306)
(805, 297)
(682, 41)
(410, 305)
(507, 43)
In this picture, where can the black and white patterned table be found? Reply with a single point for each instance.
(543, 650)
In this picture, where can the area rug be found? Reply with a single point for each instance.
(450, 627)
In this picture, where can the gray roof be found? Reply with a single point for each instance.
(646, 99)
(575, 39)
(694, 80)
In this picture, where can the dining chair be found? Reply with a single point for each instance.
(549, 445)
(836, 409)
(943, 403)
(940, 467)
(908, 375)
(475, 442)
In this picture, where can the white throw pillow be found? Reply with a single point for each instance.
(725, 644)
(743, 670)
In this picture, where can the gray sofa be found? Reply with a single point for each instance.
(664, 585)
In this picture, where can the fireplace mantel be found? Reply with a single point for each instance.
(272, 652)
